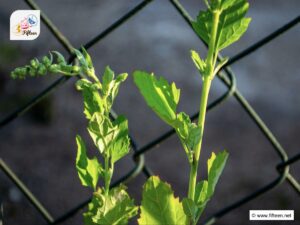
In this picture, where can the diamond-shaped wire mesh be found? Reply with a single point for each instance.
(226, 76)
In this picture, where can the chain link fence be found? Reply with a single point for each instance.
(227, 76)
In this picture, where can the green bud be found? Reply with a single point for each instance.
(75, 69)
(32, 72)
(54, 68)
(41, 70)
(13, 75)
(23, 72)
(19, 72)
(46, 61)
(34, 63)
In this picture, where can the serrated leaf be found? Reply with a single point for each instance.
(205, 189)
(111, 138)
(161, 96)
(159, 206)
(215, 166)
(91, 98)
(88, 169)
(232, 24)
(110, 86)
(121, 143)
(190, 209)
(93, 207)
(116, 208)
(102, 131)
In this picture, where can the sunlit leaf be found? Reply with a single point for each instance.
(190, 209)
(110, 86)
(161, 96)
(232, 24)
(159, 206)
(88, 169)
(110, 138)
(91, 98)
(215, 165)
(116, 208)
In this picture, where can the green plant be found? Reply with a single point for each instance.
(219, 26)
(108, 205)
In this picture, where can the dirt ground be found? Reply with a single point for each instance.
(40, 145)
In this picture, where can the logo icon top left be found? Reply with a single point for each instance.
(25, 25)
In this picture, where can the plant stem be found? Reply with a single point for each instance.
(203, 103)
(107, 175)
(194, 164)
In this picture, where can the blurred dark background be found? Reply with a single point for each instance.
(40, 145)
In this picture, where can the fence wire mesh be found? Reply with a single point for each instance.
(226, 75)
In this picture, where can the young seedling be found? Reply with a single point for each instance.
(108, 205)
(219, 26)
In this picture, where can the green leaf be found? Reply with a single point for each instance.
(110, 86)
(232, 24)
(91, 98)
(102, 132)
(188, 132)
(159, 95)
(81, 58)
(215, 167)
(226, 3)
(203, 25)
(201, 192)
(190, 209)
(205, 189)
(86, 63)
(116, 208)
(87, 58)
(111, 138)
(121, 143)
(88, 169)
(182, 125)
(93, 207)
(214, 4)
(194, 136)
(201, 197)
(199, 63)
(159, 206)
(60, 58)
